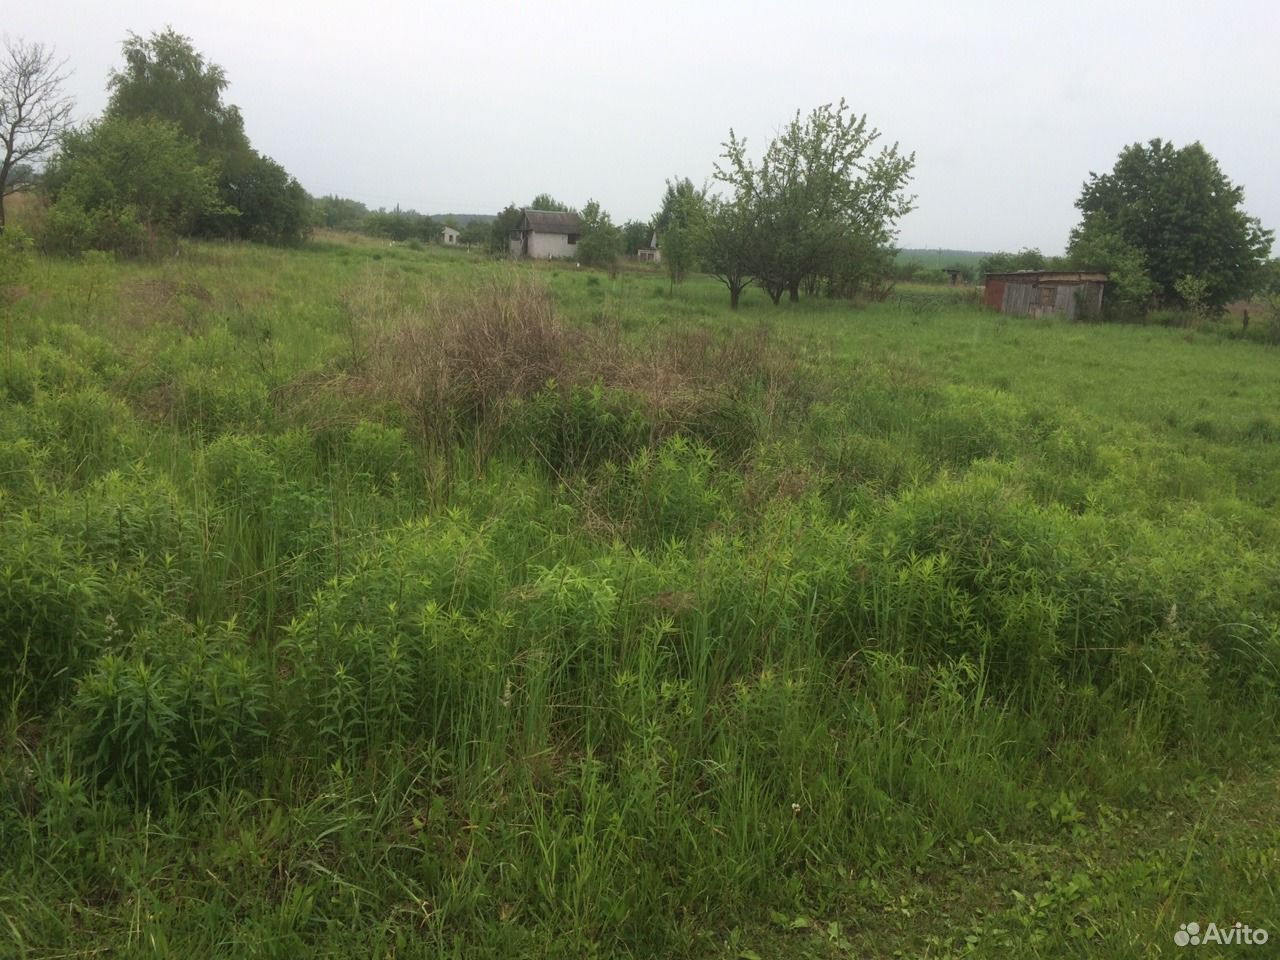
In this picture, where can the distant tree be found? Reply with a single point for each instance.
(601, 240)
(1028, 258)
(726, 241)
(400, 225)
(818, 191)
(677, 224)
(339, 213)
(504, 224)
(34, 113)
(474, 234)
(635, 234)
(544, 201)
(1176, 208)
(128, 186)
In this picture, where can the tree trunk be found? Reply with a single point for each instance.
(793, 289)
(735, 291)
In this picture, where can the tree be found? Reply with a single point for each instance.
(726, 242)
(544, 201)
(166, 77)
(1175, 208)
(127, 186)
(819, 194)
(34, 113)
(503, 226)
(1028, 258)
(678, 224)
(635, 234)
(600, 241)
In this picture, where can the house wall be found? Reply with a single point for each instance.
(449, 235)
(543, 246)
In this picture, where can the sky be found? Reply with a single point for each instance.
(469, 105)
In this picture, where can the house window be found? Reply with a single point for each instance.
(573, 237)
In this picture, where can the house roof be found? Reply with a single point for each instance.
(1050, 276)
(551, 221)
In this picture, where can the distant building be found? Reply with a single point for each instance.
(546, 234)
(449, 236)
(651, 253)
(1037, 293)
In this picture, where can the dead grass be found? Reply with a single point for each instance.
(455, 363)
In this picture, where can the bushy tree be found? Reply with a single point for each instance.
(726, 241)
(338, 213)
(1028, 258)
(166, 77)
(1177, 209)
(819, 194)
(504, 224)
(544, 201)
(128, 186)
(635, 234)
(601, 240)
(678, 225)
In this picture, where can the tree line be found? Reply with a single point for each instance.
(167, 157)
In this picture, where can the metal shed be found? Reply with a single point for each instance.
(1036, 293)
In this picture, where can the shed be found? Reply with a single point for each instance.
(449, 236)
(1036, 293)
(545, 234)
(650, 253)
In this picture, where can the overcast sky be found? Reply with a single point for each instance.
(465, 106)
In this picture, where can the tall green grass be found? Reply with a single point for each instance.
(357, 601)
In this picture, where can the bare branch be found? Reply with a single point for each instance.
(34, 111)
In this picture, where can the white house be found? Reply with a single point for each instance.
(546, 234)
(651, 253)
(449, 236)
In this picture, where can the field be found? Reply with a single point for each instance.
(369, 601)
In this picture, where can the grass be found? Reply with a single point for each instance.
(369, 601)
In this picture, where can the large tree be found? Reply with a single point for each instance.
(727, 241)
(820, 193)
(1173, 212)
(166, 77)
(34, 113)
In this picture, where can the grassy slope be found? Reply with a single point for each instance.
(643, 804)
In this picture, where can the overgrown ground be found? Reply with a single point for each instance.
(365, 601)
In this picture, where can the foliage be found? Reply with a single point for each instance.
(521, 615)
(601, 240)
(401, 225)
(503, 226)
(1005, 262)
(1177, 209)
(339, 213)
(678, 226)
(821, 200)
(15, 256)
(1128, 281)
(128, 186)
(34, 112)
(726, 243)
(165, 77)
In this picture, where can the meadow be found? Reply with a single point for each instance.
(360, 600)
